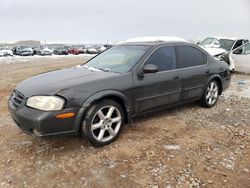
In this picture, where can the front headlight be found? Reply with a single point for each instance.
(46, 103)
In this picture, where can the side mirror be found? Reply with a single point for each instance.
(150, 68)
(237, 51)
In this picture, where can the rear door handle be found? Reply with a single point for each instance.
(176, 78)
(207, 72)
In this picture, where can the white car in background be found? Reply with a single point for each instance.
(92, 50)
(240, 59)
(5, 51)
(220, 47)
(44, 51)
(101, 49)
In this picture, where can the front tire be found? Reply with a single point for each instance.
(103, 122)
(211, 94)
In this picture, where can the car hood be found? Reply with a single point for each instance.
(92, 49)
(214, 51)
(61, 49)
(26, 49)
(46, 50)
(53, 82)
(6, 51)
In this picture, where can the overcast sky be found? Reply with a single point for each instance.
(101, 20)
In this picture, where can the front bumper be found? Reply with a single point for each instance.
(45, 124)
(26, 53)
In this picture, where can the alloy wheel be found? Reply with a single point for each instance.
(212, 93)
(106, 123)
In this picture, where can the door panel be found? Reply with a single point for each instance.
(240, 59)
(161, 88)
(193, 82)
(195, 72)
(158, 89)
(241, 62)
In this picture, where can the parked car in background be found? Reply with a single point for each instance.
(107, 46)
(218, 45)
(99, 97)
(92, 50)
(61, 50)
(44, 50)
(35, 49)
(24, 51)
(14, 50)
(5, 51)
(76, 50)
(240, 59)
(221, 46)
(101, 49)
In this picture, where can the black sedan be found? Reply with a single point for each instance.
(99, 97)
(24, 51)
(60, 51)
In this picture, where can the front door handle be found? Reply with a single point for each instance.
(176, 78)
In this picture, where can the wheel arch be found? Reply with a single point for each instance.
(219, 81)
(114, 95)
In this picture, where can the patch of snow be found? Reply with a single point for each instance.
(172, 147)
(156, 39)
(23, 59)
(24, 143)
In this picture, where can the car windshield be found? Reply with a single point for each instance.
(225, 44)
(119, 59)
(4, 48)
(23, 47)
(208, 41)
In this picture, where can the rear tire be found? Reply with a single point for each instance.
(103, 122)
(211, 94)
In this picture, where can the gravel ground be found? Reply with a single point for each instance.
(185, 146)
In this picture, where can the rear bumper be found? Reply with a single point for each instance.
(45, 124)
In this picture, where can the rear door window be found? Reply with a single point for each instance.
(190, 56)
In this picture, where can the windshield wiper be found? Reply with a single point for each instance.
(91, 68)
(99, 69)
(104, 70)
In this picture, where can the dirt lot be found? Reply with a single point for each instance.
(186, 146)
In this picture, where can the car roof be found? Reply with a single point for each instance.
(230, 38)
(153, 40)
(152, 43)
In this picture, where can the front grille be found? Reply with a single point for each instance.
(17, 98)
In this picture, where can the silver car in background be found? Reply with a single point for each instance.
(5, 51)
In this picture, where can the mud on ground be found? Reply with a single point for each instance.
(186, 146)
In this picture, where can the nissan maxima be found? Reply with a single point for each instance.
(99, 97)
